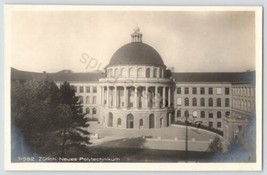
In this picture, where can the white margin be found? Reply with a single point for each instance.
(8, 9)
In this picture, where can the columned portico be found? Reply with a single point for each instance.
(136, 91)
(149, 95)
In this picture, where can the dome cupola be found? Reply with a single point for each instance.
(136, 53)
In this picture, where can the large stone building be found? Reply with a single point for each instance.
(138, 91)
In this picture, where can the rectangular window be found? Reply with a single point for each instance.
(219, 124)
(202, 90)
(94, 90)
(81, 89)
(94, 99)
(202, 114)
(194, 90)
(210, 91)
(87, 99)
(179, 91)
(81, 99)
(202, 102)
(88, 89)
(219, 91)
(210, 115)
(210, 124)
(186, 90)
(227, 91)
(75, 88)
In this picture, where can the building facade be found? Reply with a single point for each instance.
(137, 91)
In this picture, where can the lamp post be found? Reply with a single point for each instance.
(186, 133)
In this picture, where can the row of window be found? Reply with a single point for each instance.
(202, 102)
(194, 90)
(87, 100)
(87, 111)
(219, 124)
(87, 89)
(141, 122)
(136, 72)
(243, 105)
(244, 91)
(203, 114)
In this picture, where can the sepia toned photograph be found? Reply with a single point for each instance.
(133, 88)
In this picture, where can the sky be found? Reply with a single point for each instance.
(84, 41)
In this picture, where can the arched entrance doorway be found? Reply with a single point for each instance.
(130, 121)
(110, 119)
(151, 121)
(171, 118)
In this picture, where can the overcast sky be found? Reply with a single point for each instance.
(189, 41)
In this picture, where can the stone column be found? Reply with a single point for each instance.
(163, 96)
(108, 96)
(156, 97)
(135, 97)
(169, 96)
(146, 97)
(125, 97)
(101, 96)
(115, 88)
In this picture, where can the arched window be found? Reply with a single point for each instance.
(202, 114)
(87, 110)
(147, 72)
(186, 102)
(249, 106)
(155, 73)
(132, 72)
(117, 73)
(252, 92)
(107, 72)
(219, 103)
(248, 92)
(210, 102)
(140, 72)
(219, 114)
(94, 110)
(227, 102)
(111, 73)
(245, 106)
(123, 72)
(227, 113)
(119, 121)
(194, 103)
(202, 102)
(141, 122)
(162, 73)
(178, 113)
(160, 76)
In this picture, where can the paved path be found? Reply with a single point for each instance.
(170, 138)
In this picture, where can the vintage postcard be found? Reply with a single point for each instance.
(136, 88)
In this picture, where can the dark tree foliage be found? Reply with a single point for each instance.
(215, 145)
(49, 119)
(73, 132)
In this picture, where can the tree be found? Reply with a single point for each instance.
(74, 129)
(33, 110)
(49, 119)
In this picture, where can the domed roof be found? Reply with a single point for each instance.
(136, 53)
